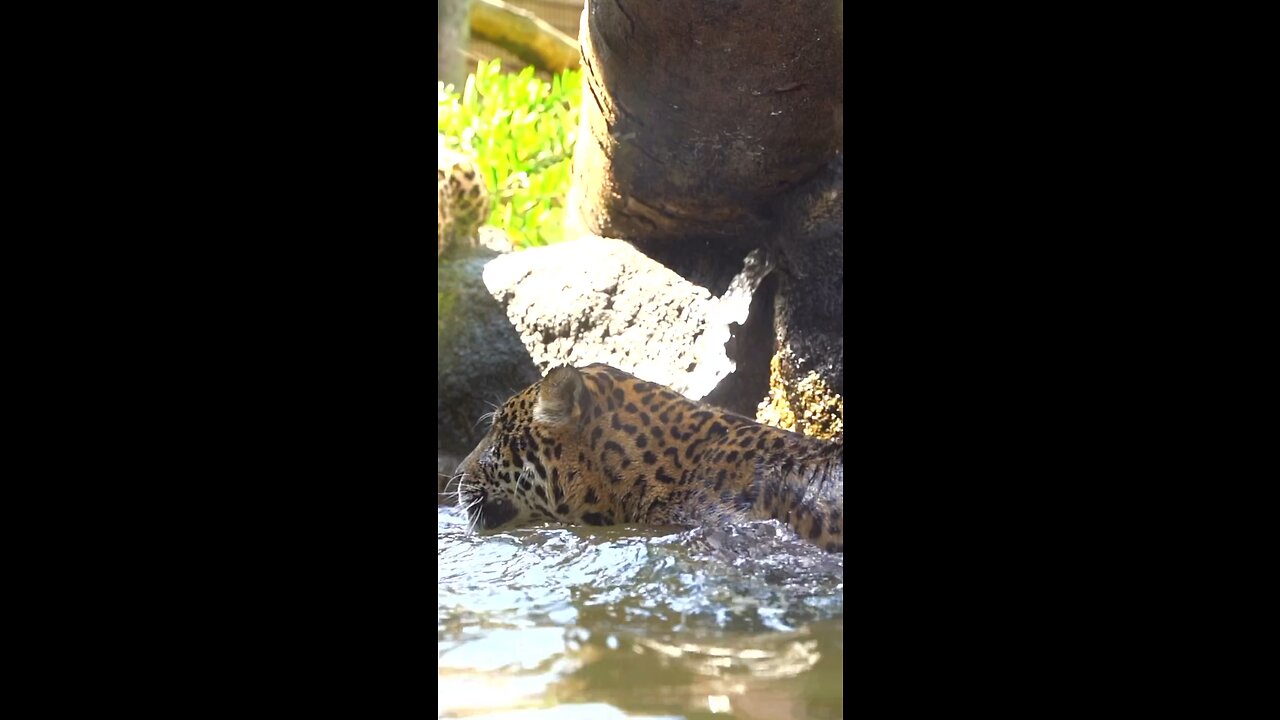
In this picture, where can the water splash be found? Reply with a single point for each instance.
(657, 621)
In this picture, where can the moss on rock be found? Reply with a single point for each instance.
(800, 401)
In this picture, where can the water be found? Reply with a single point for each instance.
(596, 624)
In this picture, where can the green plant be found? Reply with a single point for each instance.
(521, 129)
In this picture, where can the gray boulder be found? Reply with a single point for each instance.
(506, 319)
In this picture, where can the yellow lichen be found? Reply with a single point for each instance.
(805, 406)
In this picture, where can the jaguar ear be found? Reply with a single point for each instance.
(558, 396)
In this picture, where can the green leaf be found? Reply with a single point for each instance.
(521, 129)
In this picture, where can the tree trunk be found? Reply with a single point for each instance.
(711, 128)
(806, 389)
(696, 114)
(452, 35)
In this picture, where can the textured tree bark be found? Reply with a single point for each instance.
(453, 31)
(806, 387)
(714, 127)
(697, 113)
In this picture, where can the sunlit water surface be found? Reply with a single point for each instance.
(598, 624)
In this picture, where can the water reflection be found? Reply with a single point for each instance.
(638, 623)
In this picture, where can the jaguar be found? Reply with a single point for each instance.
(598, 446)
(462, 200)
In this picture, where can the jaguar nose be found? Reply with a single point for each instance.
(496, 512)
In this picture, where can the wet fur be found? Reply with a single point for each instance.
(598, 446)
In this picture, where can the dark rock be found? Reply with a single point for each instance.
(480, 360)
(446, 488)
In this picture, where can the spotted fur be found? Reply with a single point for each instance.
(598, 446)
(462, 201)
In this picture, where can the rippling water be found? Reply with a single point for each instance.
(592, 623)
